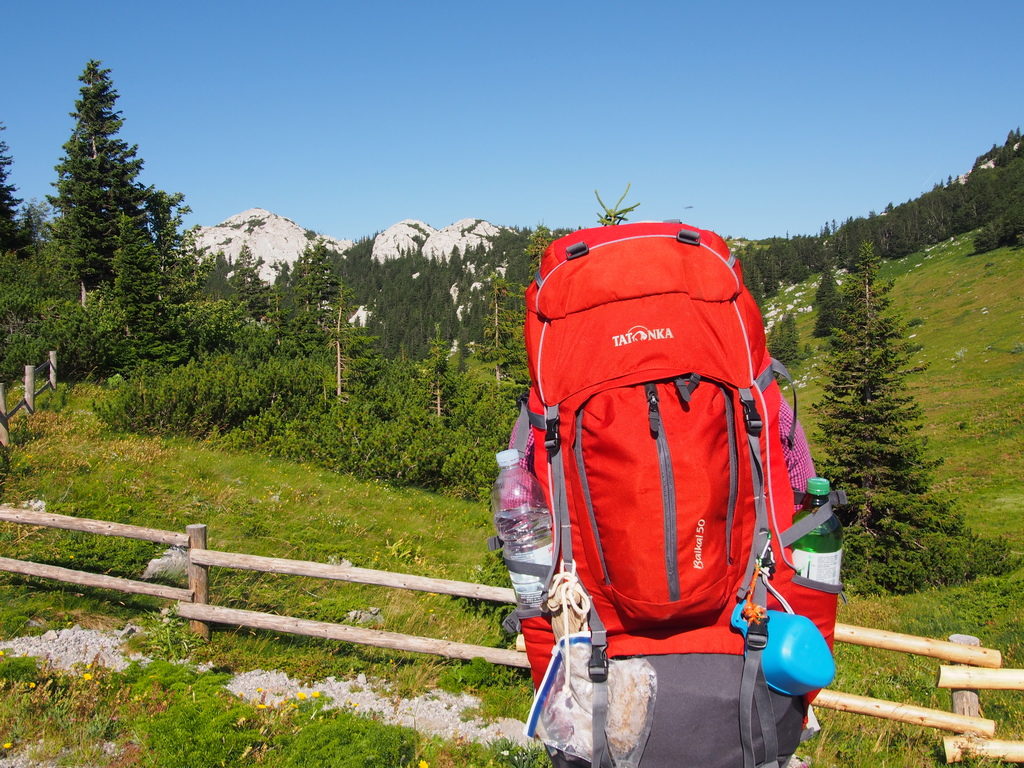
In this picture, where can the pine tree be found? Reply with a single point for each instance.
(784, 341)
(249, 287)
(97, 183)
(899, 537)
(503, 345)
(315, 290)
(11, 236)
(826, 301)
(137, 290)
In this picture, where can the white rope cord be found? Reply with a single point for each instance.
(568, 595)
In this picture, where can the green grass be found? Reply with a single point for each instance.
(170, 716)
(966, 312)
(254, 505)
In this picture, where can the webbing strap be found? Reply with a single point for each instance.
(766, 716)
(556, 471)
(753, 688)
(764, 381)
(805, 525)
(762, 536)
(521, 430)
(598, 666)
(529, 569)
(756, 633)
(601, 756)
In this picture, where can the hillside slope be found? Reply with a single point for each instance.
(965, 313)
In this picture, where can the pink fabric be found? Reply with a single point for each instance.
(798, 455)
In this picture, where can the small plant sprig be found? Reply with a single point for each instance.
(167, 636)
(615, 214)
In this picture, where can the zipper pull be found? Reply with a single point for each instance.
(653, 414)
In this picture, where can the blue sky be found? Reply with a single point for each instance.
(767, 119)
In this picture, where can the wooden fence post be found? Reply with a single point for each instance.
(965, 700)
(30, 388)
(5, 434)
(198, 576)
(53, 369)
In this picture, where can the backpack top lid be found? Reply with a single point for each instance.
(640, 301)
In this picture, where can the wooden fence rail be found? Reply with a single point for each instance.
(28, 400)
(193, 604)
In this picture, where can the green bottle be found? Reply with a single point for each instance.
(818, 555)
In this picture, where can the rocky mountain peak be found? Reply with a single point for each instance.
(272, 238)
(405, 237)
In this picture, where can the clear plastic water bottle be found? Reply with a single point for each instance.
(524, 525)
(818, 554)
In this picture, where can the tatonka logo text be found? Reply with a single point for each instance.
(639, 333)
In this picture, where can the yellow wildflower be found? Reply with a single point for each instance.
(7, 745)
(87, 676)
(423, 764)
(315, 694)
(300, 695)
(31, 685)
(261, 706)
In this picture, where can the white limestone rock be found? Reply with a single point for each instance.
(272, 238)
(460, 236)
(405, 237)
(360, 316)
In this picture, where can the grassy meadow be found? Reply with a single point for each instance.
(966, 313)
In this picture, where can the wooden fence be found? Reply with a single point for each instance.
(28, 400)
(973, 732)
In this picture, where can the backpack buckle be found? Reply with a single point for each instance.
(598, 666)
(551, 439)
(757, 634)
(754, 422)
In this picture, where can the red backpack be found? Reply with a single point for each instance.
(654, 411)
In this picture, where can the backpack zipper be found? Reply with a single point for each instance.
(734, 477)
(587, 500)
(668, 491)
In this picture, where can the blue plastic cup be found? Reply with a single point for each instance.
(797, 660)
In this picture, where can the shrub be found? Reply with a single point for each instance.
(345, 740)
(214, 395)
(19, 669)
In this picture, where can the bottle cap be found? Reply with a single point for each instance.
(507, 458)
(818, 486)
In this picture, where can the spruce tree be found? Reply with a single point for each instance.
(137, 291)
(784, 341)
(503, 346)
(315, 293)
(249, 287)
(11, 235)
(826, 301)
(97, 184)
(899, 536)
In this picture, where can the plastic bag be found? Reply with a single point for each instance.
(562, 711)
